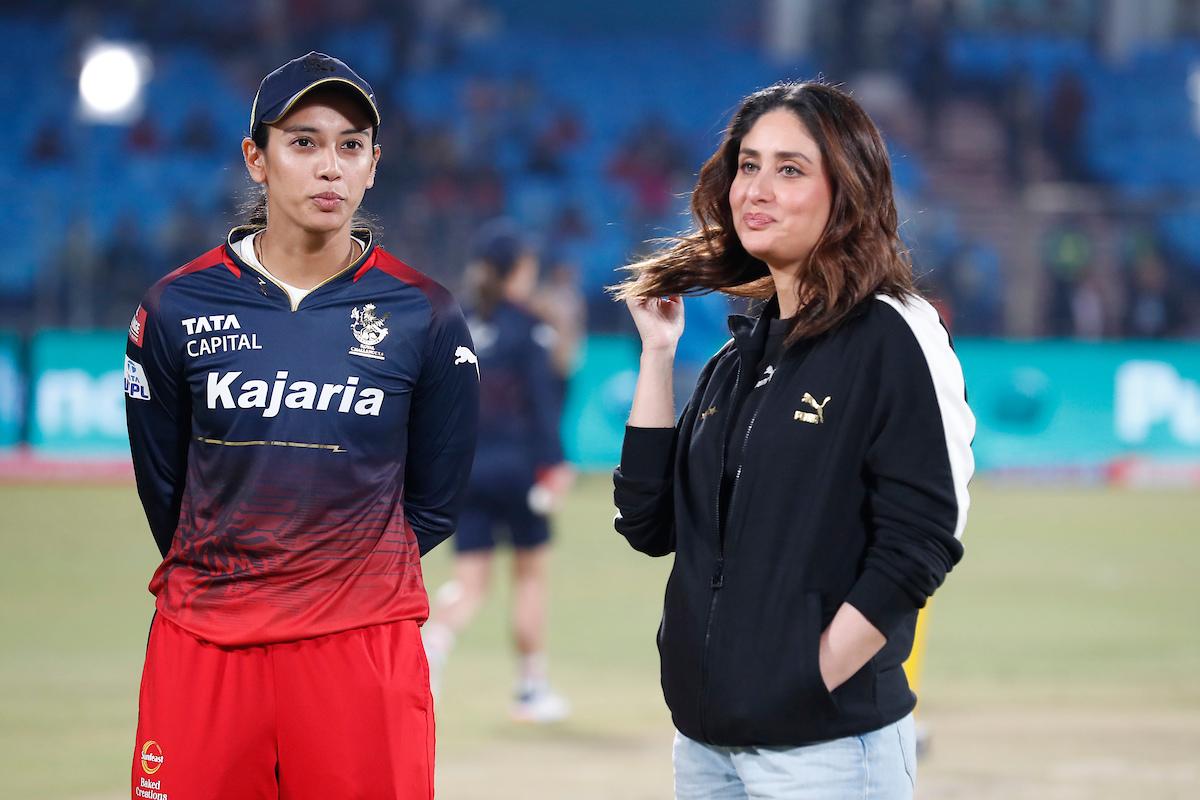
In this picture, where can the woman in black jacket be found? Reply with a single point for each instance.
(814, 489)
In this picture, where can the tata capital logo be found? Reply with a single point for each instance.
(369, 329)
(210, 323)
(219, 342)
(152, 757)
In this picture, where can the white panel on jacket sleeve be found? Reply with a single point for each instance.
(957, 420)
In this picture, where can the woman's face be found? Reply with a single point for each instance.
(318, 164)
(780, 196)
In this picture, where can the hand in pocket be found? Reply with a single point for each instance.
(847, 644)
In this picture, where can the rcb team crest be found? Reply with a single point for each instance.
(369, 330)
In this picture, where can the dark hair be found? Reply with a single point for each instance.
(497, 249)
(858, 254)
(255, 208)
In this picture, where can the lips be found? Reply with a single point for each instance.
(756, 221)
(328, 201)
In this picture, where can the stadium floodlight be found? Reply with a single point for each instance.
(111, 82)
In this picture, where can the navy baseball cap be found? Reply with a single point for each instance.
(284, 87)
(500, 244)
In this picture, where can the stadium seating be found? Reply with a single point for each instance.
(1141, 104)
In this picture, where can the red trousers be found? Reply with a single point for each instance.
(342, 716)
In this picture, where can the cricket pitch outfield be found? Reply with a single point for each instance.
(1062, 662)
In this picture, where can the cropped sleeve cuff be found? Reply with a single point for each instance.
(881, 600)
(646, 453)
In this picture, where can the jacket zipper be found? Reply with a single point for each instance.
(718, 574)
(288, 295)
(745, 441)
(737, 379)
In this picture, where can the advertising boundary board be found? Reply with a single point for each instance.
(1068, 410)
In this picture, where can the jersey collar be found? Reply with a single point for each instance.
(363, 234)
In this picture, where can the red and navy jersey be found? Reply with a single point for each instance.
(295, 462)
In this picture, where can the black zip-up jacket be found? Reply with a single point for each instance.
(851, 489)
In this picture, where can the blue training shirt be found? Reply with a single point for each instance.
(521, 404)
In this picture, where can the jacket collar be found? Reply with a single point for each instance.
(750, 333)
(748, 330)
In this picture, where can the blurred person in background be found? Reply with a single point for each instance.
(519, 475)
(1151, 307)
(302, 410)
(814, 490)
(1067, 253)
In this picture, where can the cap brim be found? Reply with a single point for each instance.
(366, 98)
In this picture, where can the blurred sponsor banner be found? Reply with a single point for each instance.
(1072, 410)
(1040, 405)
(598, 401)
(1063, 404)
(78, 399)
(11, 390)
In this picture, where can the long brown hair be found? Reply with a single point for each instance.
(858, 254)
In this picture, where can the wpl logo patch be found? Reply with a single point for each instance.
(136, 385)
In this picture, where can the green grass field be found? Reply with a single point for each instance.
(1063, 660)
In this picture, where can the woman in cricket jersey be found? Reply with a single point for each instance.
(519, 475)
(302, 408)
(814, 490)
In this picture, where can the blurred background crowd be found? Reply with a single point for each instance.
(1046, 154)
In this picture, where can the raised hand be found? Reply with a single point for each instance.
(659, 321)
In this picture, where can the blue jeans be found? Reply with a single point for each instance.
(880, 765)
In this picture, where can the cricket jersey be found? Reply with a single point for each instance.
(519, 418)
(295, 460)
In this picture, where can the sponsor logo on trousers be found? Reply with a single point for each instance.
(151, 790)
(152, 757)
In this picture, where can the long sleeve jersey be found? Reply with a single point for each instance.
(295, 461)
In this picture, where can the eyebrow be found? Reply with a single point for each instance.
(782, 154)
(310, 129)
